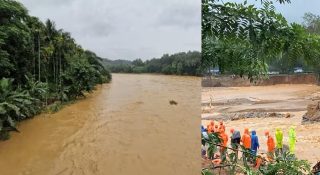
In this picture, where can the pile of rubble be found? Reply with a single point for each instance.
(313, 113)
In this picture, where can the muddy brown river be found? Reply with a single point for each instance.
(126, 127)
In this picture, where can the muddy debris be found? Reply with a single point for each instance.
(245, 115)
(172, 102)
(313, 113)
(316, 168)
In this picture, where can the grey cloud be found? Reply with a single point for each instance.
(97, 30)
(187, 16)
(126, 29)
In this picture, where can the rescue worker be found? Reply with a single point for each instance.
(223, 149)
(246, 142)
(235, 138)
(222, 125)
(210, 127)
(292, 139)
(216, 129)
(203, 129)
(254, 143)
(204, 132)
(271, 146)
(235, 141)
(279, 139)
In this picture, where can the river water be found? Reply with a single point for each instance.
(126, 127)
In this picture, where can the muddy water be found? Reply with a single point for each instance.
(125, 127)
(291, 99)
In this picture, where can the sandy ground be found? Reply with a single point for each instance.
(291, 99)
(126, 127)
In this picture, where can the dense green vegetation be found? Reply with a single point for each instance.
(243, 39)
(178, 64)
(40, 65)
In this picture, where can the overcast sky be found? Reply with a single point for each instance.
(294, 11)
(126, 29)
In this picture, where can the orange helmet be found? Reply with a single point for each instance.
(246, 130)
(266, 133)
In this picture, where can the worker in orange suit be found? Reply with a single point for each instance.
(224, 143)
(246, 142)
(271, 145)
(210, 127)
(216, 129)
(222, 126)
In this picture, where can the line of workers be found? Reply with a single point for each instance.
(250, 141)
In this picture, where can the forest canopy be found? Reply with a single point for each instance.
(40, 65)
(246, 40)
(183, 63)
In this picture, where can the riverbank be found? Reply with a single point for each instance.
(125, 127)
(282, 99)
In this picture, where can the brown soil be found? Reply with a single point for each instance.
(266, 108)
(313, 113)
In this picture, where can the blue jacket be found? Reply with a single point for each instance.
(203, 129)
(254, 141)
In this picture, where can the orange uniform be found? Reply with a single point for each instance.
(216, 129)
(271, 144)
(210, 127)
(224, 138)
(224, 143)
(246, 139)
(222, 126)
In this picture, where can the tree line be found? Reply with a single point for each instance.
(40, 65)
(311, 28)
(183, 63)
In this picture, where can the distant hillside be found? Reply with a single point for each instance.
(118, 66)
(116, 62)
(183, 63)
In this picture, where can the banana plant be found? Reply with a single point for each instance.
(15, 105)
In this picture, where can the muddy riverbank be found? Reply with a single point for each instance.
(278, 99)
(125, 127)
